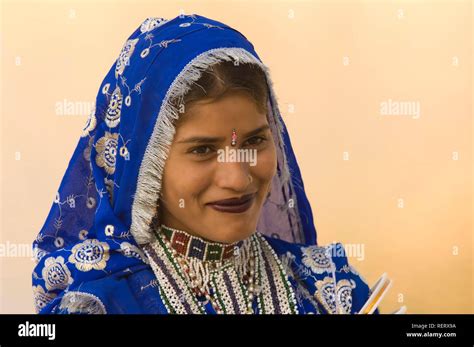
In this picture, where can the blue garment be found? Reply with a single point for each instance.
(134, 291)
(89, 252)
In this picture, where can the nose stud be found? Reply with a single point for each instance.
(233, 141)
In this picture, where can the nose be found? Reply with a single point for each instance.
(233, 175)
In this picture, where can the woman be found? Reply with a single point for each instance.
(184, 195)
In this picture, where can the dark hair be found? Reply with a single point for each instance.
(225, 77)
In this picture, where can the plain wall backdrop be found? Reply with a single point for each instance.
(398, 184)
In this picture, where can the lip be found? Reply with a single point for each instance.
(234, 205)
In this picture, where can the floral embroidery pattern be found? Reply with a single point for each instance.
(335, 300)
(106, 148)
(163, 44)
(151, 23)
(90, 255)
(90, 124)
(81, 302)
(124, 57)
(55, 273)
(317, 260)
(41, 298)
(112, 115)
(136, 89)
(38, 254)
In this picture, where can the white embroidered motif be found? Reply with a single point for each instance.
(106, 148)
(124, 57)
(90, 255)
(151, 23)
(56, 274)
(114, 110)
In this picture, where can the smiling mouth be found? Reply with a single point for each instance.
(235, 205)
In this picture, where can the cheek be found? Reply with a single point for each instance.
(266, 165)
(183, 181)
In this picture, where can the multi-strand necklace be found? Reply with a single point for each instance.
(245, 277)
(199, 258)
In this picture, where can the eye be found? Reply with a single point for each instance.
(201, 150)
(255, 141)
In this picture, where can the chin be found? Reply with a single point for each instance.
(234, 235)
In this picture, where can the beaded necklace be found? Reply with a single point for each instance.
(198, 258)
(190, 246)
(251, 280)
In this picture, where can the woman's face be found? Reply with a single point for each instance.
(203, 168)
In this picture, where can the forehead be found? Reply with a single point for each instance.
(236, 110)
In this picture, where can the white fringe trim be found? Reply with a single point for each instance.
(145, 204)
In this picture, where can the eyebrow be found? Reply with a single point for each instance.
(206, 139)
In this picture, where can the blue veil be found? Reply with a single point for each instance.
(107, 201)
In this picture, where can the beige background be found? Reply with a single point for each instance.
(416, 51)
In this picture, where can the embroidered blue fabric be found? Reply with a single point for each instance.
(89, 259)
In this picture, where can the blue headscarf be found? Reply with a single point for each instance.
(107, 202)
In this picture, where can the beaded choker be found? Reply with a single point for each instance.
(190, 246)
(253, 281)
